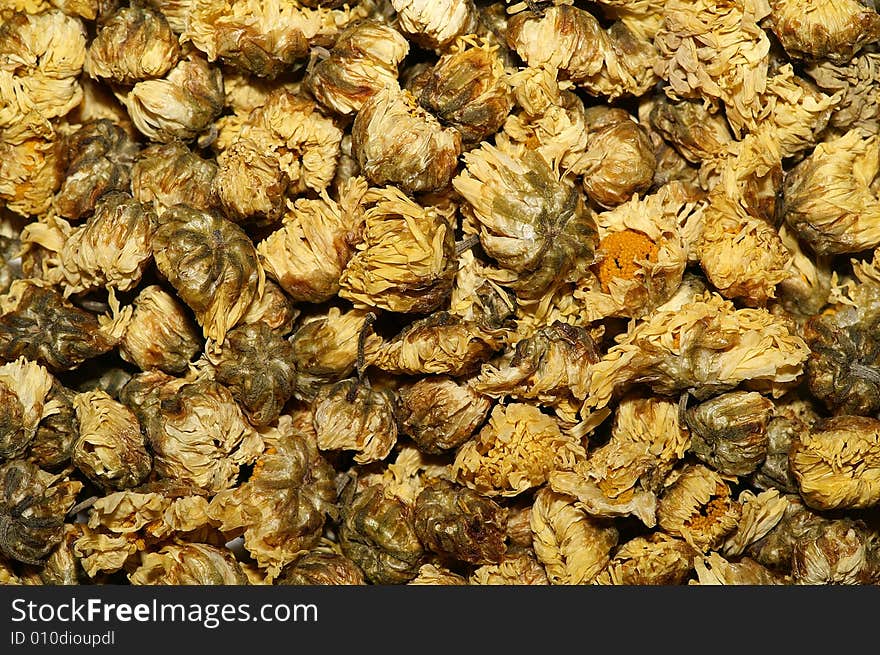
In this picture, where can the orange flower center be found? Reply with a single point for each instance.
(621, 252)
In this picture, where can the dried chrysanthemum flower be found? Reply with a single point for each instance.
(656, 559)
(476, 296)
(33, 504)
(408, 473)
(377, 532)
(760, 514)
(514, 569)
(837, 463)
(111, 449)
(52, 444)
(829, 197)
(468, 88)
(613, 63)
(265, 38)
(529, 220)
(274, 308)
(283, 506)
(37, 322)
(363, 60)
(699, 508)
(705, 346)
(308, 253)
(62, 566)
(440, 413)
(325, 347)
(100, 157)
(351, 415)
(551, 366)
(437, 344)
(160, 334)
(798, 524)
(286, 146)
(618, 161)
(110, 250)
(436, 24)
(170, 173)
(458, 522)
(573, 547)
(180, 105)
(406, 261)
(397, 142)
(715, 51)
(189, 564)
(624, 476)
(211, 263)
(257, 366)
(729, 431)
(431, 574)
(691, 127)
(196, 431)
(320, 567)
(24, 388)
(807, 288)
(840, 554)
(774, 471)
(835, 31)
(41, 57)
(31, 170)
(132, 44)
(856, 83)
(713, 569)
(515, 451)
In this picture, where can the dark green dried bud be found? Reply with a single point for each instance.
(774, 472)
(378, 534)
(729, 432)
(319, 568)
(14, 438)
(459, 522)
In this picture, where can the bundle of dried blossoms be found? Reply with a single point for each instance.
(452, 292)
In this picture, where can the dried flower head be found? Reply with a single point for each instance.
(515, 451)
(840, 554)
(170, 173)
(514, 569)
(132, 44)
(52, 443)
(395, 141)
(713, 569)
(211, 263)
(317, 567)
(189, 564)
(436, 24)
(855, 82)
(24, 389)
(31, 170)
(656, 559)
(691, 127)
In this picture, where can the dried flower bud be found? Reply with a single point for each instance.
(321, 568)
(799, 524)
(435, 25)
(377, 533)
(211, 263)
(325, 346)
(612, 63)
(111, 250)
(352, 416)
(196, 431)
(308, 253)
(440, 414)
(706, 345)
(835, 31)
(514, 569)
(691, 127)
(364, 59)
(170, 173)
(100, 159)
(438, 344)
(33, 504)
(397, 142)
(713, 569)
(516, 450)
(729, 432)
(855, 82)
(180, 105)
(110, 450)
(189, 564)
(657, 559)
(836, 463)
(838, 554)
(458, 522)
(618, 162)
(530, 221)
(160, 334)
(274, 308)
(469, 90)
(285, 146)
(699, 508)
(406, 261)
(476, 297)
(257, 366)
(282, 507)
(39, 323)
(24, 387)
(132, 44)
(57, 431)
(829, 197)
(573, 547)
(31, 171)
